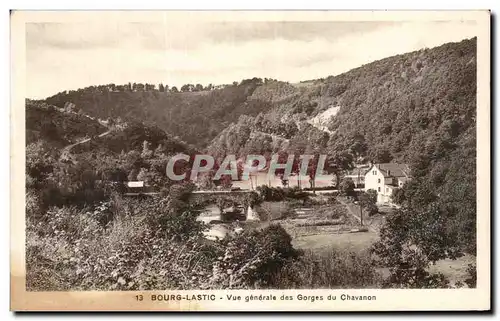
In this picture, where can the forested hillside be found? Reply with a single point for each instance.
(391, 109)
(50, 124)
(418, 108)
(195, 116)
(68, 163)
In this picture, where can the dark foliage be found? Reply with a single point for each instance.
(196, 117)
(50, 124)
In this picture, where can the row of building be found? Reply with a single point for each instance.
(383, 178)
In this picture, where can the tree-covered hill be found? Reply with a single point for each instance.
(60, 128)
(195, 116)
(417, 108)
(132, 138)
(393, 109)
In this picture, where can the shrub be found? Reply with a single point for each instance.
(276, 194)
(347, 187)
(471, 280)
(335, 269)
(368, 201)
(271, 194)
(33, 205)
(268, 211)
(253, 258)
(151, 245)
(69, 249)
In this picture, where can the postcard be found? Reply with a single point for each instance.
(250, 161)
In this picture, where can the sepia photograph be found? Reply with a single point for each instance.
(199, 159)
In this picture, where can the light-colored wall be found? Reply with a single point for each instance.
(372, 178)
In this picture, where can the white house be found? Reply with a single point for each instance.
(384, 178)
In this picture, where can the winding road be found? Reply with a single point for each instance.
(66, 149)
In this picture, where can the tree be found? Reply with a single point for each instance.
(141, 176)
(161, 88)
(368, 200)
(368, 197)
(398, 196)
(151, 178)
(358, 146)
(347, 187)
(139, 87)
(198, 87)
(146, 150)
(411, 239)
(312, 170)
(338, 163)
(382, 155)
(49, 130)
(252, 199)
(174, 89)
(132, 176)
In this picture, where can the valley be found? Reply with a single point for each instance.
(97, 187)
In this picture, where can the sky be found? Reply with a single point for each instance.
(72, 55)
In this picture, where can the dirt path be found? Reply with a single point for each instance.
(353, 210)
(66, 149)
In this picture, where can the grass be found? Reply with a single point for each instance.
(356, 242)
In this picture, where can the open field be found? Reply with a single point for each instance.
(355, 242)
(321, 228)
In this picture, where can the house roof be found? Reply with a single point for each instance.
(394, 169)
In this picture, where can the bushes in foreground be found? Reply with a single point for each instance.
(334, 269)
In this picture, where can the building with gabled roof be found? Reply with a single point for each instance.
(385, 178)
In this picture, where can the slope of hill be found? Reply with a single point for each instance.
(132, 138)
(60, 128)
(196, 117)
(392, 109)
(418, 108)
